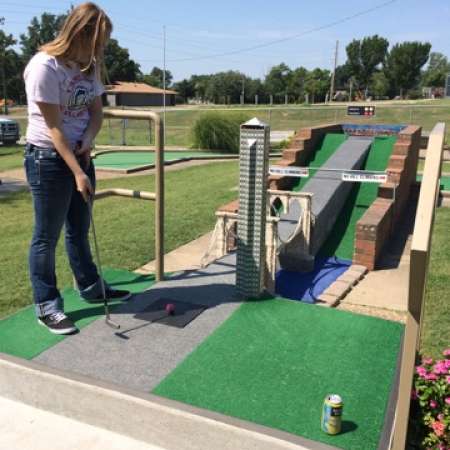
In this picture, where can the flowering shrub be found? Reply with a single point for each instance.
(431, 396)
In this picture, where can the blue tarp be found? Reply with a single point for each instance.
(308, 286)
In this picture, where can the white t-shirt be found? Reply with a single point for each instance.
(49, 81)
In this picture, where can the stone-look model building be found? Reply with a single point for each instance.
(137, 94)
(251, 245)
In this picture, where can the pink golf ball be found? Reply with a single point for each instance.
(170, 308)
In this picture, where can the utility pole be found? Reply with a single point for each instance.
(5, 106)
(164, 81)
(333, 76)
(243, 91)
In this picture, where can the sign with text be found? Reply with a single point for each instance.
(364, 177)
(368, 111)
(297, 172)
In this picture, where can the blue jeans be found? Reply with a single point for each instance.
(57, 202)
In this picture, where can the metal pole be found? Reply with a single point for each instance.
(159, 206)
(164, 81)
(333, 76)
(5, 106)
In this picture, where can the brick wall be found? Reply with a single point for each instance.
(301, 147)
(378, 223)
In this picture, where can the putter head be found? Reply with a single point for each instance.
(112, 324)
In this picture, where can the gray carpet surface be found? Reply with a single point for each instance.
(149, 351)
(329, 195)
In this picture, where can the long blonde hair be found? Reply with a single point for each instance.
(86, 27)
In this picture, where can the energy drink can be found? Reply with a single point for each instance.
(332, 414)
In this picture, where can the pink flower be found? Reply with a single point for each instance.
(446, 352)
(441, 416)
(421, 371)
(433, 404)
(447, 400)
(448, 379)
(438, 428)
(439, 367)
(431, 376)
(427, 361)
(447, 363)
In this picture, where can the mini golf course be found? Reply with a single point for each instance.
(134, 161)
(271, 361)
(335, 255)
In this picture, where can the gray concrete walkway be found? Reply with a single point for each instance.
(149, 351)
(23, 427)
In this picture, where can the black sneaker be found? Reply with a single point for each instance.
(58, 323)
(111, 294)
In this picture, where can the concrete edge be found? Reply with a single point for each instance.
(166, 423)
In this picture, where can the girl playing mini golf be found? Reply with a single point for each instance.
(64, 91)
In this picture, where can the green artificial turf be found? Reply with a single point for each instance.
(341, 241)
(445, 182)
(328, 146)
(22, 336)
(129, 159)
(274, 361)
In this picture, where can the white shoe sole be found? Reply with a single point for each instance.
(70, 330)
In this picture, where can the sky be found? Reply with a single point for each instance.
(200, 34)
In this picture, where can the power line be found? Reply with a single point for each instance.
(295, 36)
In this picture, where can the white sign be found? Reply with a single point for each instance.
(298, 172)
(364, 177)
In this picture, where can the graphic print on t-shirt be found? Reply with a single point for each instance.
(80, 92)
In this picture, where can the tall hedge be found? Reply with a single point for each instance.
(218, 131)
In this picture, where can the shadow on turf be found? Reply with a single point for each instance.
(348, 426)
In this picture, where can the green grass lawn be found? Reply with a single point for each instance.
(179, 122)
(11, 157)
(125, 227)
(128, 159)
(436, 320)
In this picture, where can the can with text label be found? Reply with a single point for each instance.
(332, 414)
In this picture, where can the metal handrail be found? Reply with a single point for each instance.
(159, 180)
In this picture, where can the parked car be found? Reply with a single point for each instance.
(9, 130)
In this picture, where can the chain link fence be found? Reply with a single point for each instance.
(179, 122)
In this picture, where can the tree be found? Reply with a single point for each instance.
(404, 63)
(12, 64)
(437, 70)
(364, 58)
(226, 87)
(185, 89)
(296, 83)
(379, 85)
(342, 76)
(317, 84)
(156, 77)
(39, 32)
(119, 65)
(277, 80)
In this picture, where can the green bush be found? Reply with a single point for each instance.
(218, 131)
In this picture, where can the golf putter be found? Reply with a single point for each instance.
(108, 320)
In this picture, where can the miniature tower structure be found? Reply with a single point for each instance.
(251, 245)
